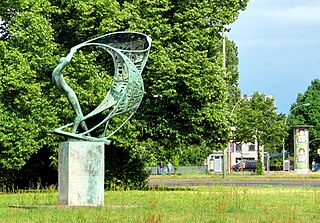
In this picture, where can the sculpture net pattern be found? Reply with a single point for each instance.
(129, 51)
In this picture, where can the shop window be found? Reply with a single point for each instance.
(251, 147)
(238, 147)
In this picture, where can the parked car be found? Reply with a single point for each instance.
(316, 167)
(245, 165)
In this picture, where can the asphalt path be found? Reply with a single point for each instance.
(235, 183)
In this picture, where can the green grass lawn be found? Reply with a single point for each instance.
(178, 204)
(245, 176)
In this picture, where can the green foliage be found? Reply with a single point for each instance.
(26, 112)
(7, 180)
(185, 73)
(186, 109)
(124, 170)
(175, 162)
(301, 114)
(257, 120)
(259, 169)
(275, 162)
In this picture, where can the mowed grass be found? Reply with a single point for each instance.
(236, 176)
(178, 204)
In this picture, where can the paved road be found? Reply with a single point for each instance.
(237, 183)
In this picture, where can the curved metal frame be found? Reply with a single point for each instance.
(130, 51)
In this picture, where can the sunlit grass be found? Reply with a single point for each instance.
(246, 176)
(179, 204)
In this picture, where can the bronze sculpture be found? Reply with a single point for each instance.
(129, 51)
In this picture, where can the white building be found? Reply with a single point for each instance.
(244, 151)
(236, 152)
(215, 162)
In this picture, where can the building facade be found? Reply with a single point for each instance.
(236, 153)
(244, 151)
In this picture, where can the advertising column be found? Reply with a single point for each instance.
(301, 149)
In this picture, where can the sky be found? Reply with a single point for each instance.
(279, 48)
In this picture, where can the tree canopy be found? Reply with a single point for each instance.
(186, 109)
(187, 105)
(306, 112)
(256, 119)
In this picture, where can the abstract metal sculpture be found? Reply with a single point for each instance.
(130, 51)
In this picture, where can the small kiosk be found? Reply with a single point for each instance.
(215, 162)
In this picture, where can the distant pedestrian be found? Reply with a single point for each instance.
(161, 167)
(313, 165)
(169, 166)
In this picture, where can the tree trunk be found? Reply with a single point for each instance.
(259, 162)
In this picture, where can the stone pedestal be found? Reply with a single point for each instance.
(81, 173)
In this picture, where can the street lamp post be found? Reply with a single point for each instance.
(313, 141)
(232, 128)
(234, 107)
(285, 122)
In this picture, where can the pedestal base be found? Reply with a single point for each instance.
(81, 173)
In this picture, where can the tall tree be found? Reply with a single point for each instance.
(26, 56)
(188, 91)
(34, 34)
(257, 120)
(307, 115)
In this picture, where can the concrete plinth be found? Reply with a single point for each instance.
(81, 173)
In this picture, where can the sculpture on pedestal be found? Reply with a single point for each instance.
(81, 161)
